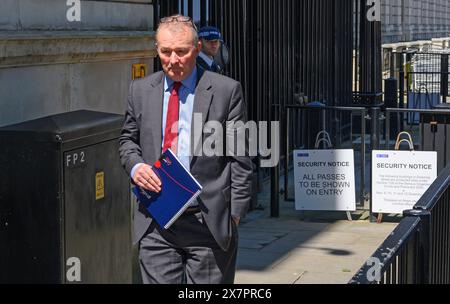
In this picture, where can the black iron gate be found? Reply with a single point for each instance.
(283, 52)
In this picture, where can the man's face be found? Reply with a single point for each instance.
(177, 52)
(211, 47)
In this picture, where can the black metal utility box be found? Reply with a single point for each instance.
(64, 201)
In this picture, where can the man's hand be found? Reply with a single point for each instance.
(147, 179)
(236, 220)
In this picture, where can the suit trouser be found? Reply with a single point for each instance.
(186, 253)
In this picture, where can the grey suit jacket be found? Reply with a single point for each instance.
(226, 181)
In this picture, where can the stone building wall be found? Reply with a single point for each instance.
(58, 56)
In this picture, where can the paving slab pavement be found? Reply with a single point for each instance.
(294, 249)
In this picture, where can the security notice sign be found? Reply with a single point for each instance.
(400, 178)
(324, 180)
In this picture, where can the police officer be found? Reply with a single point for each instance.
(211, 42)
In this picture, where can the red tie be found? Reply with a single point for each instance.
(171, 130)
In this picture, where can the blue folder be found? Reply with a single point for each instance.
(178, 190)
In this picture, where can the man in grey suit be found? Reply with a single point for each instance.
(201, 246)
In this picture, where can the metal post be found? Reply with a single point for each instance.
(374, 145)
(363, 158)
(203, 13)
(371, 52)
(388, 128)
(392, 64)
(286, 145)
(191, 8)
(401, 103)
(375, 127)
(444, 77)
(423, 273)
(275, 175)
(391, 101)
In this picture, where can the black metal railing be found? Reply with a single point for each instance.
(362, 129)
(423, 77)
(340, 122)
(433, 130)
(437, 201)
(417, 251)
(395, 259)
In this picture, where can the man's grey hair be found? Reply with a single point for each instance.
(178, 27)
